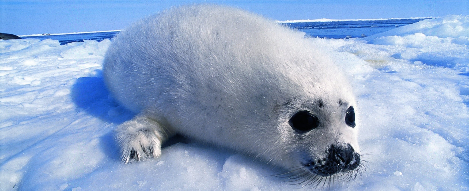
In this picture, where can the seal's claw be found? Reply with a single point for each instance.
(140, 139)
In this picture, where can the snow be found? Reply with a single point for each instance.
(412, 87)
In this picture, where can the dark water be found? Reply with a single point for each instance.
(330, 29)
(77, 37)
(349, 29)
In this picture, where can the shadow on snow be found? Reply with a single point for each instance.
(91, 95)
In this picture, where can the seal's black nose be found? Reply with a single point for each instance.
(340, 158)
(343, 158)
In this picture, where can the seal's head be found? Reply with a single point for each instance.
(338, 156)
(319, 137)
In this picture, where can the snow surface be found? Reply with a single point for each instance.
(412, 86)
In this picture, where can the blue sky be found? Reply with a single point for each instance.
(24, 17)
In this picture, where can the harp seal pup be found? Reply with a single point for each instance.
(236, 80)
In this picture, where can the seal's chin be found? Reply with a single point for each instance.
(340, 158)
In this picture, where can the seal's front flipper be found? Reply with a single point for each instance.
(140, 138)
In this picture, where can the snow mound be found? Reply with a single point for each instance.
(439, 42)
(450, 26)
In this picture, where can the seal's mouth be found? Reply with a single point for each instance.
(340, 158)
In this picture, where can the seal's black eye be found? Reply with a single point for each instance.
(350, 117)
(303, 121)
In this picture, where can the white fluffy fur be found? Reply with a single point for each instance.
(227, 77)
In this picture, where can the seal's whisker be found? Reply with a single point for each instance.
(307, 179)
(299, 179)
(331, 181)
(288, 173)
(314, 179)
